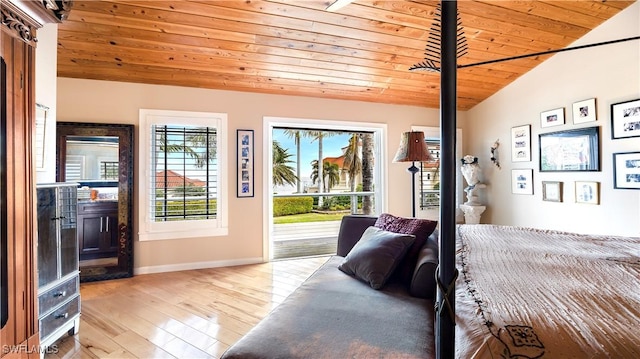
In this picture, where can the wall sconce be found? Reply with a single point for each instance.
(494, 153)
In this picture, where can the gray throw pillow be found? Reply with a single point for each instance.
(376, 255)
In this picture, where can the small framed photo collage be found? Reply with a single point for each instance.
(245, 148)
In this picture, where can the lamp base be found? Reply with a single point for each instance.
(413, 170)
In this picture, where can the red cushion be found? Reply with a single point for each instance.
(421, 228)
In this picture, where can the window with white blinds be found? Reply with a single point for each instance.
(428, 187)
(185, 171)
(109, 170)
(74, 168)
(430, 177)
(184, 189)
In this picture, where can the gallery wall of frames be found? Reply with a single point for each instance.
(577, 149)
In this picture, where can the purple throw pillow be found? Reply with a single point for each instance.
(421, 228)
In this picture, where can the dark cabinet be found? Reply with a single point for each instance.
(98, 229)
(58, 270)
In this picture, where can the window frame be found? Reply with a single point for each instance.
(108, 167)
(381, 189)
(428, 213)
(152, 230)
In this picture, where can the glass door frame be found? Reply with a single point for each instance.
(380, 153)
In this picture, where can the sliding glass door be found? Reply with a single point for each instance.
(319, 171)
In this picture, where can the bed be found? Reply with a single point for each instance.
(529, 293)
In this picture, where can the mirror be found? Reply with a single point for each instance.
(99, 157)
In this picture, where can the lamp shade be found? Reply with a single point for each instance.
(412, 148)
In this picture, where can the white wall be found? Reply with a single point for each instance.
(45, 92)
(609, 73)
(116, 102)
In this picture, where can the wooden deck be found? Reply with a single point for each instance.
(297, 248)
(305, 239)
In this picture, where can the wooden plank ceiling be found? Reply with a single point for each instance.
(361, 52)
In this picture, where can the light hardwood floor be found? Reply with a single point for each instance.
(187, 314)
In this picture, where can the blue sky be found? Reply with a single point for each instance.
(331, 147)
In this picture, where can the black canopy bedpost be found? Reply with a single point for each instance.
(445, 318)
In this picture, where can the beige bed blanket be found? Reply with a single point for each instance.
(528, 293)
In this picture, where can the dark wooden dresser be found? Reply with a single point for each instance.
(98, 229)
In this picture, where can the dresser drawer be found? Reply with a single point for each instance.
(59, 317)
(97, 207)
(54, 296)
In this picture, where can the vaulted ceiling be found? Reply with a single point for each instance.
(361, 52)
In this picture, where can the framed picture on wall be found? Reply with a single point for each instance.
(551, 118)
(587, 192)
(571, 150)
(521, 143)
(584, 111)
(522, 181)
(626, 170)
(552, 191)
(245, 163)
(625, 119)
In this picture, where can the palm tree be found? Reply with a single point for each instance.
(319, 135)
(199, 144)
(331, 174)
(282, 172)
(296, 135)
(367, 172)
(353, 164)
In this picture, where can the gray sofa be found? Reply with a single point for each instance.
(334, 315)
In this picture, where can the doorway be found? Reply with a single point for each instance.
(305, 200)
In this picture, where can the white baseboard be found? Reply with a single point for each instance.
(195, 265)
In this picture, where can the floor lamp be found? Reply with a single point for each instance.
(412, 149)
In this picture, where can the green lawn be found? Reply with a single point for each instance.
(308, 217)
